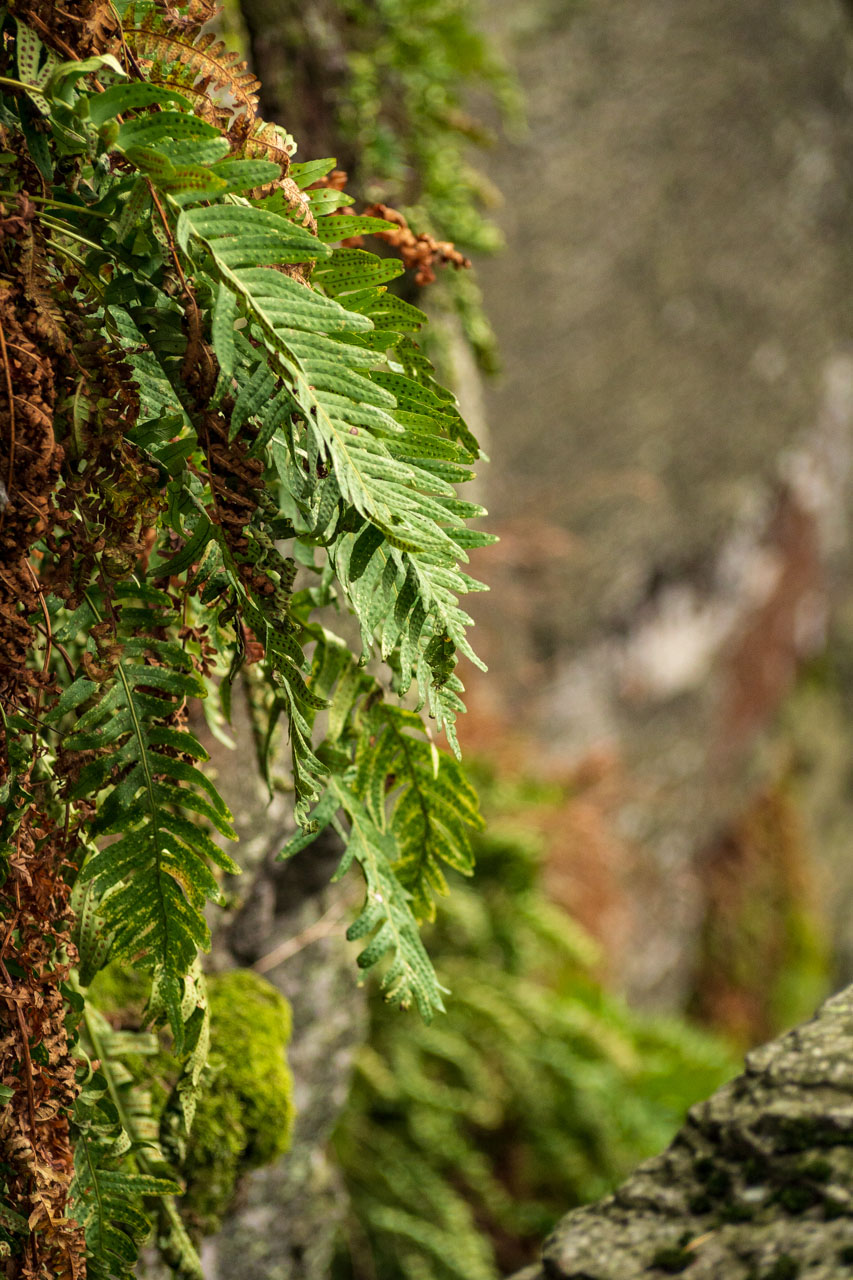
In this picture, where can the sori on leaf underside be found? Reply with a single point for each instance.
(244, 437)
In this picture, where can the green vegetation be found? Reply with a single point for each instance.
(218, 429)
(244, 1115)
(465, 1140)
(403, 86)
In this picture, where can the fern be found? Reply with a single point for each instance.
(220, 395)
(353, 449)
(154, 879)
(535, 1069)
(104, 1196)
(432, 803)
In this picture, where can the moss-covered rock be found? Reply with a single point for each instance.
(777, 1141)
(119, 993)
(245, 1114)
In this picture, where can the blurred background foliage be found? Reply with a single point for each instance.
(464, 1141)
(399, 92)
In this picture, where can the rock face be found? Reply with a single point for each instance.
(671, 442)
(756, 1185)
(290, 928)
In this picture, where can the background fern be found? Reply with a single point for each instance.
(464, 1141)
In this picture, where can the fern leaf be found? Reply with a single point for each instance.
(428, 809)
(202, 60)
(348, 407)
(154, 880)
(105, 1200)
(386, 919)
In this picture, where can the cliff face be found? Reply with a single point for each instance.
(671, 440)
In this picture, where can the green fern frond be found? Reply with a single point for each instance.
(386, 917)
(373, 439)
(431, 806)
(154, 880)
(105, 1198)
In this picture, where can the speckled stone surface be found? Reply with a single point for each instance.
(757, 1185)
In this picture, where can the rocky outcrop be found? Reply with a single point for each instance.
(757, 1185)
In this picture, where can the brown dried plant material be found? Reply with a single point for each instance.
(30, 461)
(74, 30)
(35, 952)
(420, 253)
(35, 1061)
(335, 181)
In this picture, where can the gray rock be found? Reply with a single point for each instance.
(290, 927)
(757, 1185)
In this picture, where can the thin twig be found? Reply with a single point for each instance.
(52, 37)
(322, 928)
(47, 649)
(9, 933)
(10, 466)
(60, 649)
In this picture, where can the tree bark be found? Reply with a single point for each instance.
(757, 1185)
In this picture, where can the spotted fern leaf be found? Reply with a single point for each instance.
(153, 880)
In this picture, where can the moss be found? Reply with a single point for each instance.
(804, 1133)
(845, 1255)
(833, 1209)
(784, 1268)
(817, 1171)
(754, 1171)
(244, 1116)
(673, 1260)
(796, 1198)
(737, 1212)
(120, 994)
(718, 1182)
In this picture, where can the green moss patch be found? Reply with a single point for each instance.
(244, 1117)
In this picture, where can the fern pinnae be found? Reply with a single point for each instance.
(386, 917)
(156, 871)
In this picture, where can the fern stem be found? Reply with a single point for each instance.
(7, 83)
(100, 1053)
(59, 204)
(63, 229)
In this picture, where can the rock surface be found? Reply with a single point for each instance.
(672, 438)
(290, 928)
(757, 1185)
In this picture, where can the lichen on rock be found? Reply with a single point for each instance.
(756, 1185)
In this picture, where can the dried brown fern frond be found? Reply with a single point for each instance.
(257, 140)
(174, 52)
(420, 252)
